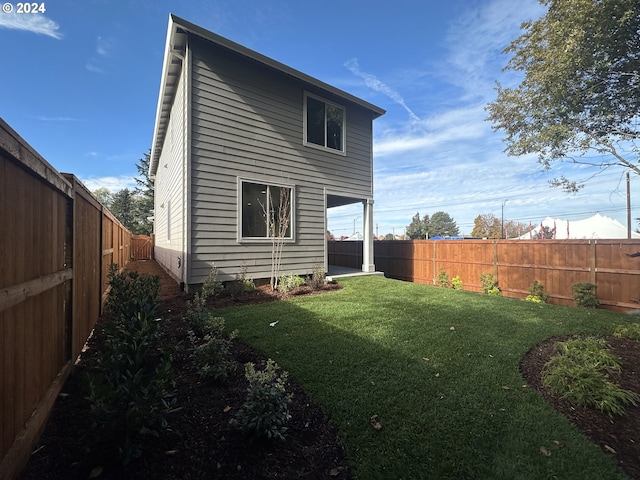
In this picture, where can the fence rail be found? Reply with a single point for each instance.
(612, 265)
(56, 246)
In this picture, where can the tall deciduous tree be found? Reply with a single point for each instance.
(487, 225)
(418, 227)
(442, 224)
(581, 87)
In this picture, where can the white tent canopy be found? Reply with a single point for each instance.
(597, 226)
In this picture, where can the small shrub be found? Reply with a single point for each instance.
(631, 331)
(581, 373)
(537, 293)
(318, 278)
(212, 286)
(265, 411)
(213, 357)
(443, 279)
(241, 284)
(584, 294)
(287, 283)
(495, 291)
(456, 282)
(131, 390)
(131, 293)
(198, 316)
(489, 284)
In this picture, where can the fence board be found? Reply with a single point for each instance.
(51, 285)
(612, 265)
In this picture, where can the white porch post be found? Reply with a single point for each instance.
(367, 242)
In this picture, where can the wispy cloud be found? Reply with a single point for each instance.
(38, 24)
(375, 84)
(113, 184)
(104, 50)
(44, 118)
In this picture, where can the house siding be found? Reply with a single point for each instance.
(169, 191)
(247, 122)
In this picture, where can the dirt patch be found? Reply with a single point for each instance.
(618, 436)
(199, 442)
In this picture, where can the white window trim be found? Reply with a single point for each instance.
(264, 240)
(324, 148)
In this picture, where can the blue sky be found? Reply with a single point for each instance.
(80, 84)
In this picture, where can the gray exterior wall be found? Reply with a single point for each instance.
(170, 190)
(247, 123)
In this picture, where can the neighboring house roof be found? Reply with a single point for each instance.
(175, 50)
(596, 226)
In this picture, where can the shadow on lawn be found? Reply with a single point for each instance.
(451, 402)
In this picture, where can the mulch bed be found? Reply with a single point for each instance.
(618, 436)
(200, 444)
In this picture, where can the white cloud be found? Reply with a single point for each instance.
(92, 67)
(38, 24)
(372, 82)
(113, 184)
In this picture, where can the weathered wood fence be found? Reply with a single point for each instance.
(612, 265)
(56, 245)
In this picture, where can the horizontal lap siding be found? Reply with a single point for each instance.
(247, 122)
(169, 191)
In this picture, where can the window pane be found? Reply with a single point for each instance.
(254, 198)
(335, 121)
(281, 211)
(315, 121)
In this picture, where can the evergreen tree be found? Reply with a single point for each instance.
(418, 228)
(442, 224)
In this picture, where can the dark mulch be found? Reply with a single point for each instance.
(200, 443)
(618, 436)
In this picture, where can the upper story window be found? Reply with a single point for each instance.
(323, 123)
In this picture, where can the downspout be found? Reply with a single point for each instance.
(182, 260)
(186, 155)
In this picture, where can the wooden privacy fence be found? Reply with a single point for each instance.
(612, 265)
(56, 245)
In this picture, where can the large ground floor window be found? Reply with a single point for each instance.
(266, 211)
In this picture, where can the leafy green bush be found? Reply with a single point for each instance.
(581, 373)
(265, 411)
(584, 294)
(456, 282)
(631, 331)
(287, 283)
(131, 293)
(212, 352)
(317, 279)
(489, 284)
(537, 293)
(131, 389)
(443, 279)
(241, 284)
(198, 316)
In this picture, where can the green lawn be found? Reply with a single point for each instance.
(451, 401)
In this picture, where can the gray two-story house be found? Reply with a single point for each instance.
(234, 129)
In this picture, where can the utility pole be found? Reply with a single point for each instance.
(502, 217)
(628, 207)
